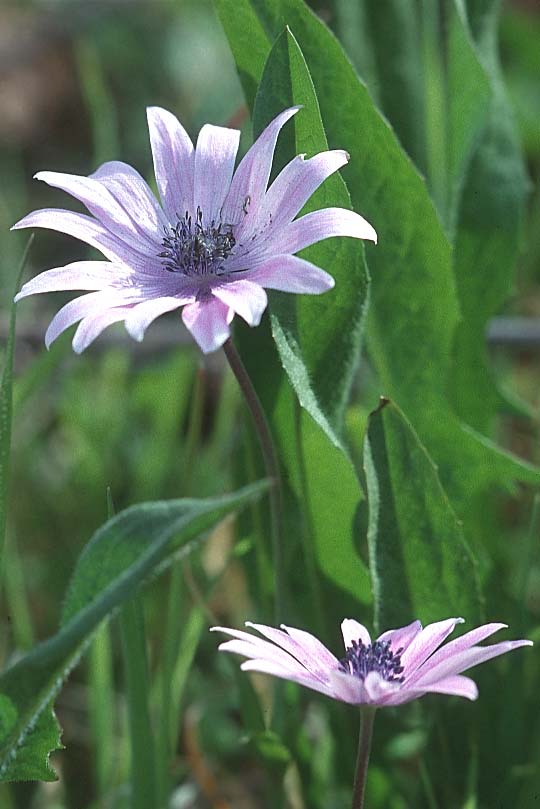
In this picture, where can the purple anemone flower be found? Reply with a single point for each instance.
(218, 239)
(401, 665)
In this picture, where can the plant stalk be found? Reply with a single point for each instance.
(367, 717)
(272, 469)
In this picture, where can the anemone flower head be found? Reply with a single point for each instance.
(401, 665)
(218, 239)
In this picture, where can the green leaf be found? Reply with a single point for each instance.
(318, 336)
(487, 242)
(420, 563)
(6, 407)
(121, 555)
(319, 341)
(414, 308)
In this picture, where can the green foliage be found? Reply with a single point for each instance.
(118, 558)
(420, 563)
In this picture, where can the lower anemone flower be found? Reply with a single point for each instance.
(401, 665)
(217, 241)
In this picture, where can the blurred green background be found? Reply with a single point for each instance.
(156, 420)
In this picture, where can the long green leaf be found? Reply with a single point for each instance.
(420, 564)
(414, 308)
(6, 407)
(120, 556)
(319, 341)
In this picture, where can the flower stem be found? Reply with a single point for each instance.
(367, 716)
(271, 464)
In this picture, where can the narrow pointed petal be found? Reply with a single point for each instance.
(208, 322)
(290, 191)
(91, 304)
(125, 212)
(457, 685)
(143, 314)
(291, 274)
(251, 177)
(301, 652)
(91, 327)
(214, 165)
(323, 224)
(464, 642)
(275, 670)
(354, 631)
(462, 661)
(425, 643)
(262, 650)
(173, 155)
(133, 195)
(246, 298)
(401, 638)
(312, 645)
(89, 275)
(92, 232)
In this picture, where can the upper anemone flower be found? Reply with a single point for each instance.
(401, 665)
(218, 239)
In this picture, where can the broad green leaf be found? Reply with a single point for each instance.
(6, 407)
(121, 555)
(414, 307)
(487, 240)
(318, 339)
(420, 564)
(318, 336)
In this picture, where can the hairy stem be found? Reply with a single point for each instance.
(367, 716)
(271, 464)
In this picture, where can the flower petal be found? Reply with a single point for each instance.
(312, 645)
(289, 192)
(402, 637)
(428, 674)
(291, 274)
(259, 649)
(143, 314)
(79, 275)
(456, 685)
(173, 154)
(92, 232)
(208, 321)
(92, 304)
(250, 179)
(91, 327)
(347, 688)
(246, 298)
(464, 642)
(314, 664)
(354, 631)
(133, 194)
(274, 669)
(319, 225)
(125, 212)
(425, 642)
(214, 165)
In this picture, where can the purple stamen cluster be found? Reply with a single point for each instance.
(360, 660)
(192, 249)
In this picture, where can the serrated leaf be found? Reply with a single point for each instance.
(421, 565)
(121, 555)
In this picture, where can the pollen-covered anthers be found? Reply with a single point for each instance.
(193, 249)
(377, 657)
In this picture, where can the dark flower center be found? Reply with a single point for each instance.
(193, 249)
(378, 657)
